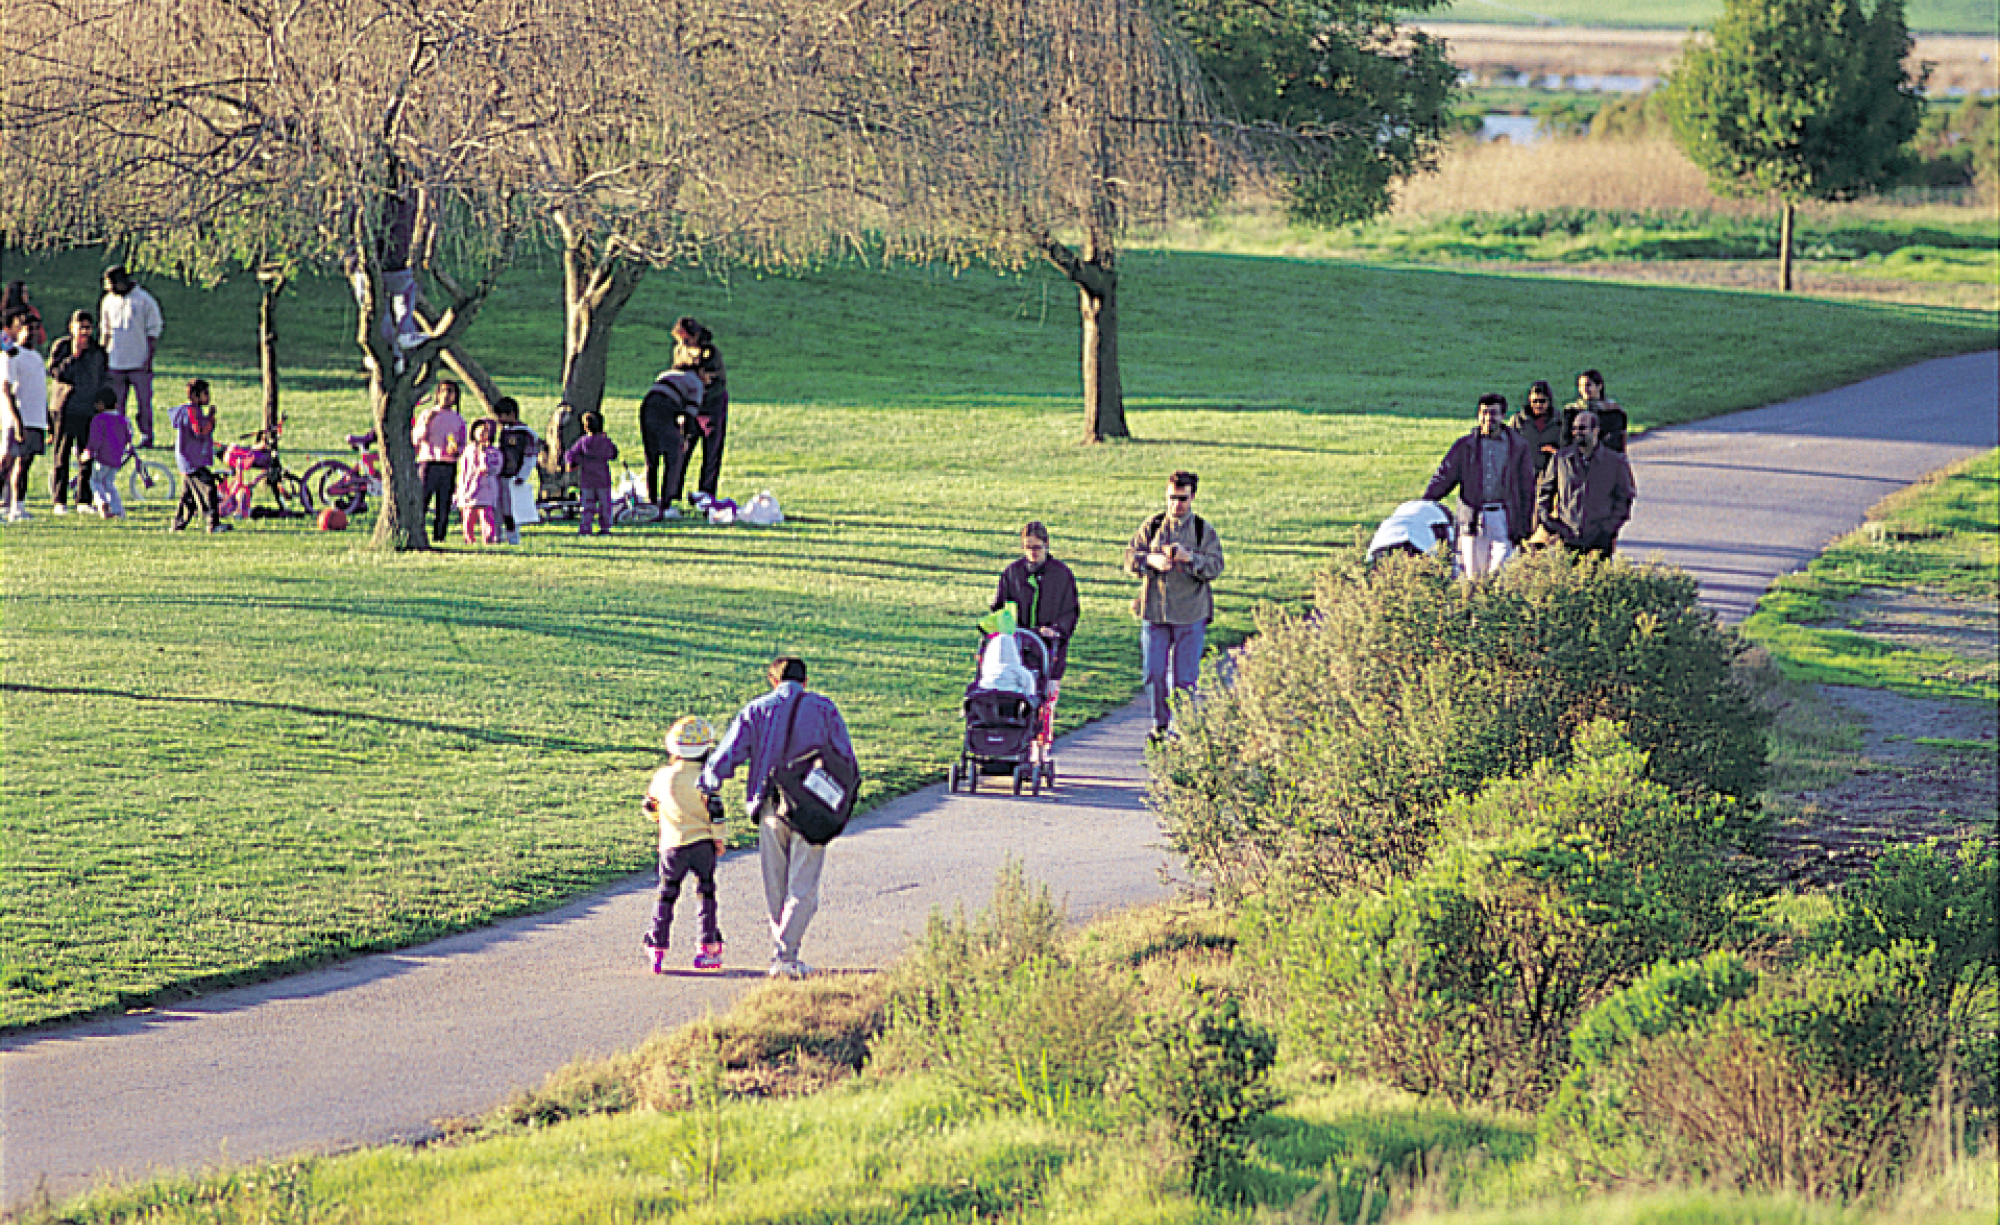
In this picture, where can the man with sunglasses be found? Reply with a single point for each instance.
(1176, 555)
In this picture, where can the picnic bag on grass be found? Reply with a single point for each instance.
(812, 792)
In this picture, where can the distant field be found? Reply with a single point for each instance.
(1941, 16)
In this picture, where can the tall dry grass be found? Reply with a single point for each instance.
(1496, 177)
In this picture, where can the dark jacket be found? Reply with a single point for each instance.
(1611, 422)
(74, 381)
(1045, 599)
(1551, 433)
(1586, 501)
(1461, 469)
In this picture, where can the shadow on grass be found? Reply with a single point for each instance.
(485, 735)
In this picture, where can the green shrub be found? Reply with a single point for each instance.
(1821, 1080)
(995, 1007)
(1198, 1068)
(1324, 759)
(1544, 894)
(1944, 903)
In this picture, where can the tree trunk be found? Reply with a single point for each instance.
(1785, 249)
(399, 523)
(273, 282)
(1095, 274)
(595, 290)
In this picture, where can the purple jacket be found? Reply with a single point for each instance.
(1462, 470)
(110, 440)
(753, 735)
(590, 458)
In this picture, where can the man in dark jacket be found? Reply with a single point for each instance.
(78, 370)
(1043, 593)
(1494, 473)
(1586, 495)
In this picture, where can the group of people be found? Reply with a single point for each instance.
(51, 403)
(687, 407)
(1542, 478)
(483, 469)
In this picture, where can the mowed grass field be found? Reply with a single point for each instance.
(1929, 16)
(229, 756)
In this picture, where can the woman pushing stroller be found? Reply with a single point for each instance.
(1043, 593)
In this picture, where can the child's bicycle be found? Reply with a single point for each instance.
(339, 484)
(261, 464)
(145, 479)
(629, 503)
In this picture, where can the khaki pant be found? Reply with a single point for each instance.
(791, 881)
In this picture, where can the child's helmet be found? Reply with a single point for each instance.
(691, 737)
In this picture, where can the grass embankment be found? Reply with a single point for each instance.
(1938, 540)
(231, 756)
(679, 1131)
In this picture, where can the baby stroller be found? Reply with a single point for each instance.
(1416, 528)
(1003, 726)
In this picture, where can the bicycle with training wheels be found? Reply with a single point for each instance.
(339, 484)
(146, 479)
(261, 465)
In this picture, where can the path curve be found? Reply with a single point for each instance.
(376, 1049)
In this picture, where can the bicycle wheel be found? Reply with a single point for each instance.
(290, 492)
(338, 485)
(146, 482)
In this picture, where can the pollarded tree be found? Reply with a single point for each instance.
(1366, 100)
(1798, 100)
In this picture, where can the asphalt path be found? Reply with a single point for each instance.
(380, 1048)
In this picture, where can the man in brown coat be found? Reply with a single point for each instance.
(1586, 493)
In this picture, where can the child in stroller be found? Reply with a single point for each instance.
(1003, 711)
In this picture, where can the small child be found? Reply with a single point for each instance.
(478, 494)
(591, 460)
(691, 837)
(109, 447)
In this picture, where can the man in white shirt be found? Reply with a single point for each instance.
(24, 410)
(129, 321)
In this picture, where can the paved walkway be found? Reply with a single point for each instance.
(378, 1048)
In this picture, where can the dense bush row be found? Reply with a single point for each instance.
(1499, 842)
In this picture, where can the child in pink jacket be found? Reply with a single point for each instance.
(478, 496)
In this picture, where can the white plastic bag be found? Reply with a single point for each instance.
(761, 510)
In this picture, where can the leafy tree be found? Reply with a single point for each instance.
(1364, 101)
(1798, 100)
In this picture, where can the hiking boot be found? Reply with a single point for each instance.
(658, 958)
(710, 957)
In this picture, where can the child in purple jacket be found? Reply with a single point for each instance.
(109, 447)
(478, 496)
(590, 458)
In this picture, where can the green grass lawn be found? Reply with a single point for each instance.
(229, 756)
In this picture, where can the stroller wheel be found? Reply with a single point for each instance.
(951, 777)
(1020, 773)
(971, 771)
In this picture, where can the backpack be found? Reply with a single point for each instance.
(1153, 527)
(514, 442)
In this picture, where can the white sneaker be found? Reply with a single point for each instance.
(18, 514)
(671, 512)
(787, 967)
(60, 509)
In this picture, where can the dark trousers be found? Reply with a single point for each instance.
(698, 858)
(67, 446)
(439, 481)
(198, 498)
(666, 453)
(711, 451)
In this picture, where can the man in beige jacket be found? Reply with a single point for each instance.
(1176, 555)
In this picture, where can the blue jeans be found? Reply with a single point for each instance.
(1179, 644)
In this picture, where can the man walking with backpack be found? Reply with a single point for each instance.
(768, 733)
(1176, 555)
